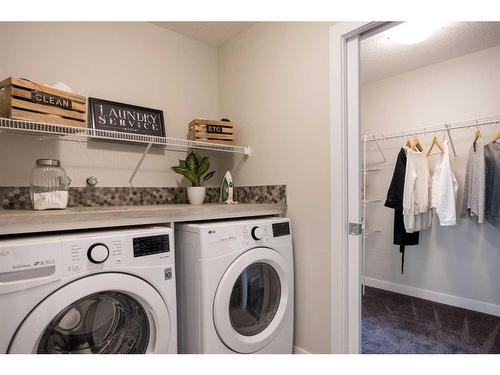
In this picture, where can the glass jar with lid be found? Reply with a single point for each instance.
(49, 185)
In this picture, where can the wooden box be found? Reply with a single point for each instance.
(25, 100)
(211, 131)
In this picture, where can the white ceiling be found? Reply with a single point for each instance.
(382, 58)
(211, 33)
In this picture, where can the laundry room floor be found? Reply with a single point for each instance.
(394, 323)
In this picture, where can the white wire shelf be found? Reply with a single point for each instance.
(368, 202)
(485, 121)
(365, 170)
(76, 134)
(371, 232)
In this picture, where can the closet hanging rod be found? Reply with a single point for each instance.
(433, 129)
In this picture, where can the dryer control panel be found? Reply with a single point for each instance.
(260, 233)
(243, 234)
(219, 238)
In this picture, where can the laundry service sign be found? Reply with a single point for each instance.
(127, 118)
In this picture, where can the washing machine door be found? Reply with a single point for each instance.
(103, 313)
(252, 299)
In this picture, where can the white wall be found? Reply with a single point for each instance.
(464, 260)
(274, 80)
(137, 63)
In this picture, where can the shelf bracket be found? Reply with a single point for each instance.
(381, 152)
(136, 169)
(248, 152)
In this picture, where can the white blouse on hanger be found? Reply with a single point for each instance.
(417, 214)
(444, 190)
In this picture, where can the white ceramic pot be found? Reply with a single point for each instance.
(196, 194)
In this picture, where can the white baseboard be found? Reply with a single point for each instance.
(299, 350)
(448, 299)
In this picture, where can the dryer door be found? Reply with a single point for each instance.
(252, 299)
(103, 313)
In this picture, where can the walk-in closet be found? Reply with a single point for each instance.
(430, 115)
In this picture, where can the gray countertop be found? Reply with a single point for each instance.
(29, 221)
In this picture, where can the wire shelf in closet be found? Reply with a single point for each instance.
(369, 202)
(372, 231)
(485, 121)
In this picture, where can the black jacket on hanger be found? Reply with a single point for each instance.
(395, 201)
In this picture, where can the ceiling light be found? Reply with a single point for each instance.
(412, 32)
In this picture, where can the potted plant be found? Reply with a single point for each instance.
(195, 169)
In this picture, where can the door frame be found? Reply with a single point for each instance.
(345, 162)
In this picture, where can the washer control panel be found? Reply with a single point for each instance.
(87, 254)
(114, 251)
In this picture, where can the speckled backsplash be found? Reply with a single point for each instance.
(19, 197)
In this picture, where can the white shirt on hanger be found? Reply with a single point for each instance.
(417, 214)
(444, 190)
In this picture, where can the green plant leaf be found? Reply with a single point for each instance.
(198, 159)
(208, 176)
(179, 170)
(203, 166)
(189, 174)
(182, 163)
(192, 161)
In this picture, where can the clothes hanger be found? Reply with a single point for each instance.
(416, 145)
(435, 142)
(477, 135)
(497, 137)
(450, 139)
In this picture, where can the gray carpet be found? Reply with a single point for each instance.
(395, 323)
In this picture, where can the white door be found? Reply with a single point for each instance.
(103, 313)
(346, 220)
(252, 299)
(354, 242)
(346, 197)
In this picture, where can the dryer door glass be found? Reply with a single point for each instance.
(104, 322)
(255, 299)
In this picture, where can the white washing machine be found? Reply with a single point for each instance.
(235, 286)
(92, 292)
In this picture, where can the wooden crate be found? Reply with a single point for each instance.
(211, 131)
(26, 100)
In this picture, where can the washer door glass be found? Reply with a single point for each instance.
(104, 322)
(255, 299)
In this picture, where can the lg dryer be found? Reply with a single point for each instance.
(235, 286)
